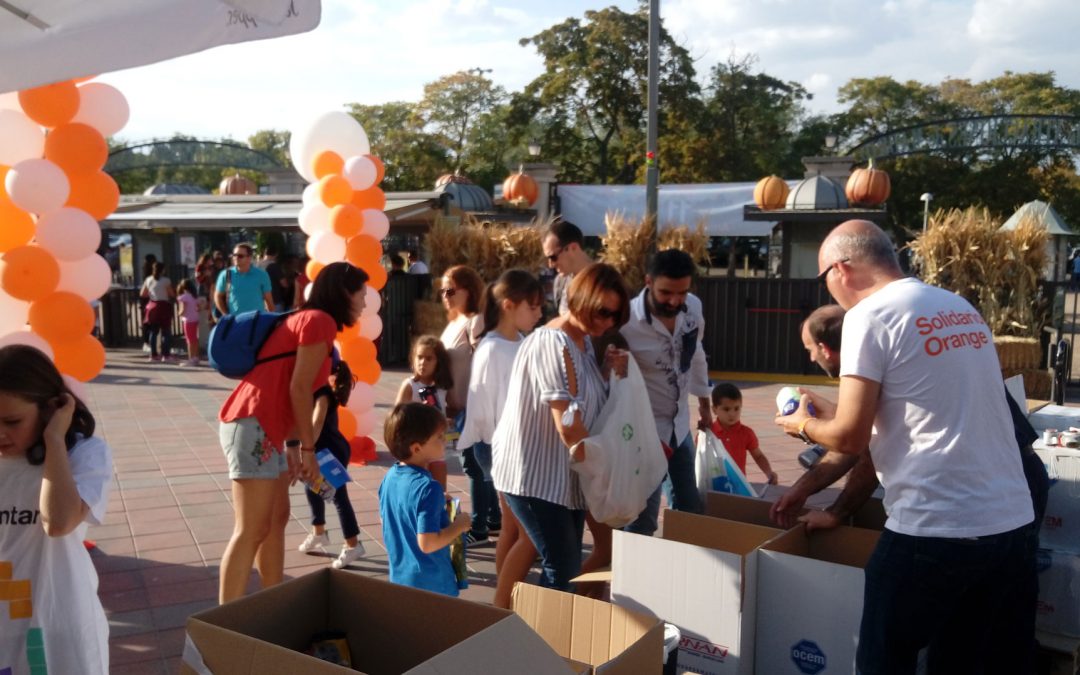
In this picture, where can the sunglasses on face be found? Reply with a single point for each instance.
(239, 255)
(605, 313)
(825, 275)
(448, 292)
(554, 256)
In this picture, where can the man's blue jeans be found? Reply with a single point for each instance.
(961, 599)
(680, 487)
(556, 532)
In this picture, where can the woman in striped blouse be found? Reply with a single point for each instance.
(556, 392)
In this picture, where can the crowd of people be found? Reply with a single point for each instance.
(951, 582)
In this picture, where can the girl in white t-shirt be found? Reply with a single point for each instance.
(54, 479)
(429, 384)
(190, 306)
(512, 306)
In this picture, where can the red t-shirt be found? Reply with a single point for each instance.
(737, 440)
(264, 391)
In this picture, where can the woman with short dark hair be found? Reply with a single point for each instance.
(272, 403)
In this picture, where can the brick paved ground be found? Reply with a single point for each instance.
(170, 514)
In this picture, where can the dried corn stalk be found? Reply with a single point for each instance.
(488, 247)
(628, 242)
(997, 271)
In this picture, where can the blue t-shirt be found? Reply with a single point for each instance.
(411, 502)
(246, 291)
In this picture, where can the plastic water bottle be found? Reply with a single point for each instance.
(811, 456)
(787, 401)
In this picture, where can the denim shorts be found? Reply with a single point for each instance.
(249, 452)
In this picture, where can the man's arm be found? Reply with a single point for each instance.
(699, 377)
(268, 300)
(850, 429)
(861, 483)
(221, 303)
(787, 509)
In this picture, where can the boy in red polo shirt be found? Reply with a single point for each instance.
(738, 438)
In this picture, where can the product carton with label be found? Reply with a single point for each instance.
(389, 629)
(1058, 609)
(701, 577)
(1061, 524)
(809, 600)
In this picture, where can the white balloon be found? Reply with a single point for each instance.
(103, 107)
(372, 301)
(10, 101)
(307, 292)
(362, 398)
(68, 233)
(27, 337)
(13, 313)
(310, 195)
(370, 326)
(326, 247)
(366, 423)
(20, 137)
(37, 185)
(76, 387)
(360, 172)
(314, 218)
(376, 223)
(89, 277)
(337, 131)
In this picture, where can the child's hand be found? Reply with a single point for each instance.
(461, 523)
(773, 478)
(63, 409)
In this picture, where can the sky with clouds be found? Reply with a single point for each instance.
(374, 51)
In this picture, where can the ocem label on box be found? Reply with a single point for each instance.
(701, 656)
(808, 657)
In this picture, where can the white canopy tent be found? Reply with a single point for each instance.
(718, 205)
(44, 41)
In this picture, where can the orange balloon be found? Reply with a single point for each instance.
(348, 333)
(312, 269)
(376, 276)
(334, 190)
(16, 225)
(380, 168)
(346, 422)
(346, 220)
(29, 273)
(95, 192)
(52, 104)
(358, 351)
(85, 78)
(364, 251)
(362, 450)
(368, 372)
(82, 358)
(371, 198)
(327, 163)
(76, 148)
(62, 316)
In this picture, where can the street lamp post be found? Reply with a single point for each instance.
(925, 199)
(652, 171)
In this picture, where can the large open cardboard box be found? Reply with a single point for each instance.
(597, 636)
(756, 511)
(701, 576)
(391, 629)
(810, 599)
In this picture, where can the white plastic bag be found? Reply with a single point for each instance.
(716, 471)
(624, 461)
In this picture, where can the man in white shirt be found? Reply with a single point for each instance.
(664, 335)
(563, 249)
(416, 265)
(918, 364)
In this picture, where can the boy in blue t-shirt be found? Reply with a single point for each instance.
(417, 531)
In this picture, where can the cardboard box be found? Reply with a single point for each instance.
(810, 600)
(597, 636)
(1061, 524)
(1058, 609)
(756, 511)
(391, 629)
(701, 576)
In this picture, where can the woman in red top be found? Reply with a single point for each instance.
(274, 402)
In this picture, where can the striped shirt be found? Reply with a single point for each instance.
(529, 458)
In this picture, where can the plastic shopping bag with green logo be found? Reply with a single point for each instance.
(623, 461)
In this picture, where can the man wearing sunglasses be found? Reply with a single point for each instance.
(664, 335)
(918, 364)
(562, 246)
(244, 286)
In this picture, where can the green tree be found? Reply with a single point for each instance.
(274, 143)
(413, 157)
(461, 110)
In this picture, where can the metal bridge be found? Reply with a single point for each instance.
(170, 153)
(967, 134)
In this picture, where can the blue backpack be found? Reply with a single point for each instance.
(237, 338)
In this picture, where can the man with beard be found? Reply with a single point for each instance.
(664, 335)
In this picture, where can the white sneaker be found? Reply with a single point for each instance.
(314, 543)
(348, 555)
(146, 348)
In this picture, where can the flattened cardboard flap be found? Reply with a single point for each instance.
(508, 646)
(716, 533)
(740, 509)
(851, 546)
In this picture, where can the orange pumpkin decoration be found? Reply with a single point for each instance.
(520, 188)
(771, 192)
(868, 187)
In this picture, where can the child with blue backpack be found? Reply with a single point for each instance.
(327, 400)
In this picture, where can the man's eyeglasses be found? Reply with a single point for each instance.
(239, 255)
(447, 292)
(605, 313)
(825, 275)
(554, 256)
